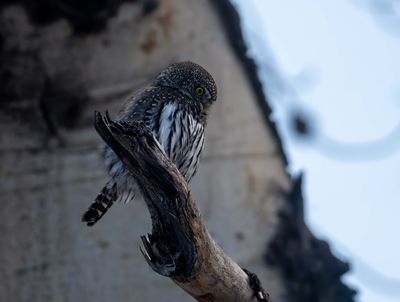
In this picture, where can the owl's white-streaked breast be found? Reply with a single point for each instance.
(182, 138)
(166, 122)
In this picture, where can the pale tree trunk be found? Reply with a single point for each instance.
(60, 61)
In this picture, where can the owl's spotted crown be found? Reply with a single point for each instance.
(190, 79)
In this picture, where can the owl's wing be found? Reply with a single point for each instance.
(136, 105)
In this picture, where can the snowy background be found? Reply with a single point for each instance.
(336, 66)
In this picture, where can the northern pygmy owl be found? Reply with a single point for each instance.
(174, 107)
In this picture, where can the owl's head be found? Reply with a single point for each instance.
(191, 80)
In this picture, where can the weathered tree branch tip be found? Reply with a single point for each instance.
(105, 125)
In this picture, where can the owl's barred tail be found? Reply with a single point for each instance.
(101, 204)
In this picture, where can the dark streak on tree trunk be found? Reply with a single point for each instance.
(231, 23)
(310, 269)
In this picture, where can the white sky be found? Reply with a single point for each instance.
(346, 71)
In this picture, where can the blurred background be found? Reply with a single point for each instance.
(331, 70)
(305, 88)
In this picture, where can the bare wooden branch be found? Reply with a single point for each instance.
(179, 246)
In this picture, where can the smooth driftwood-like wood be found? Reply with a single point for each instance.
(180, 246)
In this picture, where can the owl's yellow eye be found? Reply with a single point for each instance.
(199, 90)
